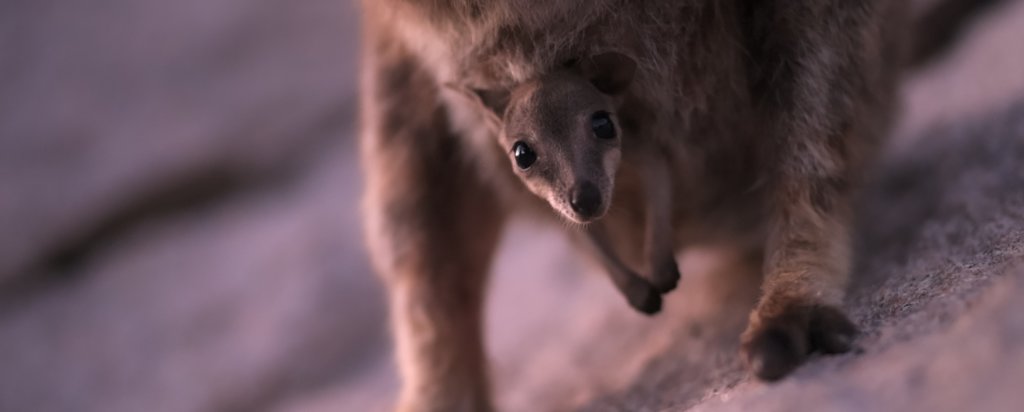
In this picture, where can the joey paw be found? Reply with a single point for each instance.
(778, 344)
(643, 296)
(666, 276)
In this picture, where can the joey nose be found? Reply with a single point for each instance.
(585, 199)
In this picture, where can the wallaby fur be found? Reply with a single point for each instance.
(766, 114)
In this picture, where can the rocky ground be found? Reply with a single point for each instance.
(178, 198)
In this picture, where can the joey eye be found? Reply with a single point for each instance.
(601, 124)
(525, 156)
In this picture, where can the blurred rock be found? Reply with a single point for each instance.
(976, 364)
(229, 308)
(178, 205)
(104, 105)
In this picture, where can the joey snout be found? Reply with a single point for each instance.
(585, 200)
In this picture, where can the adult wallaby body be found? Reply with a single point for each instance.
(766, 114)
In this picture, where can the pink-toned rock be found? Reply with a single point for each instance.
(105, 103)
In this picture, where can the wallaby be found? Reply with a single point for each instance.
(565, 145)
(768, 113)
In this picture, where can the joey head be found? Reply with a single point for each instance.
(564, 141)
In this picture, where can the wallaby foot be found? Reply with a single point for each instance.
(774, 346)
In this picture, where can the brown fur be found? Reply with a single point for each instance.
(766, 112)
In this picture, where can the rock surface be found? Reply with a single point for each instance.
(180, 233)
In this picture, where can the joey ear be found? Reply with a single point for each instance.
(611, 72)
(494, 100)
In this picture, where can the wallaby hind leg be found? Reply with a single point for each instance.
(799, 313)
(823, 120)
(807, 264)
(431, 227)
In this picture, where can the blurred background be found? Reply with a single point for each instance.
(179, 231)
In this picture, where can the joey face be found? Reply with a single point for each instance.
(564, 143)
(561, 133)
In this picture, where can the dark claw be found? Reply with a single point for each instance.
(831, 331)
(773, 354)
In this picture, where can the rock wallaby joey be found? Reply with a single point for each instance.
(565, 145)
(743, 124)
